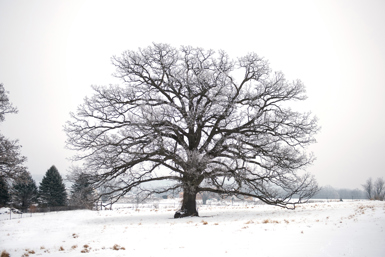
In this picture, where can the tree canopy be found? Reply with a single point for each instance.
(198, 118)
(11, 160)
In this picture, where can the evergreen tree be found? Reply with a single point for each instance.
(4, 192)
(82, 193)
(52, 191)
(24, 191)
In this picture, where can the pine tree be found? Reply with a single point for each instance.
(24, 191)
(52, 191)
(4, 192)
(82, 193)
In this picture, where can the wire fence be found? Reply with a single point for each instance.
(13, 213)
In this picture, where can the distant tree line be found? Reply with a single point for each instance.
(328, 192)
(373, 190)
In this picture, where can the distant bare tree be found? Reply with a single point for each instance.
(379, 189)
(368, 188)
(200, 117)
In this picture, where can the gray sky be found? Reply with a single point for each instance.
(51, 52)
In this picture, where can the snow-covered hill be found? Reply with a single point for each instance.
(317, 229)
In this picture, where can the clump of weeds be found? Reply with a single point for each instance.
(117, 247)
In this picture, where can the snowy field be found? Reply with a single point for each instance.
(349, 228)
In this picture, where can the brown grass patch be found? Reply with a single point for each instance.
(270, 221)
(86, 249)
(117, 247)
(5, 254)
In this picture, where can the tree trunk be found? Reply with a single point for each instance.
(188, 208)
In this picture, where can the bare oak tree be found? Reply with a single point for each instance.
(191, 116)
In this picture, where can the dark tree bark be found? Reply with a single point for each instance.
(189, 207)
(201, 120)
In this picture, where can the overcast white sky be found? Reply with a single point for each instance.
(51, 52)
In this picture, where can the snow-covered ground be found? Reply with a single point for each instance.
(354, 228)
